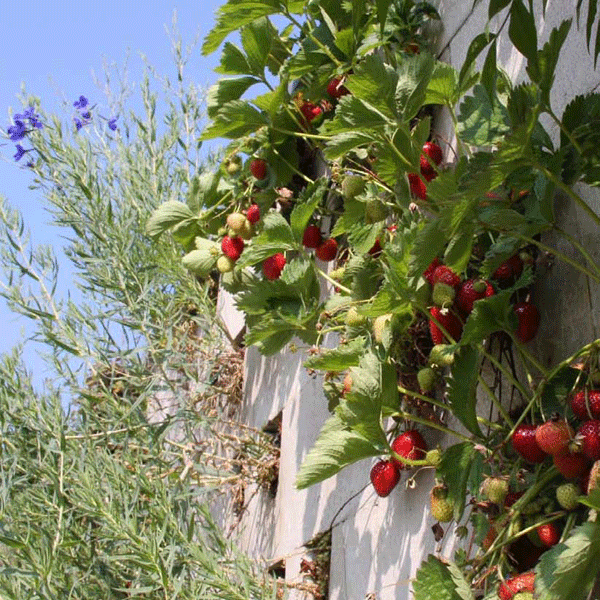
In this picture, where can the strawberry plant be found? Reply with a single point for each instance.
(433, 250)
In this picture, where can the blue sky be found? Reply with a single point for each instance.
(53, 48)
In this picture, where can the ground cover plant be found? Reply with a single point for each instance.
(339, 211)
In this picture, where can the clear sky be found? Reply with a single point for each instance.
(53, 48)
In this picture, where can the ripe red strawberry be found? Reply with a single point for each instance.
(310, 111)
(410, 445)
(511, 498)
(444, 274)
(472, 290)
(448, 320)
(327, 250)
(523, 442)
(434, 152)
(554, 436)
(508, 271)
(428, 273)
(253, 213)
(384, 477)
(586, 410)
(335, 90)
(232, 247)
(524, 582)
(273, 266)
(258, 168)
(312, 237)
(529, 321)
(570, 465)
(375, 250)
(549, 534)
(588, 435)
(417, 186)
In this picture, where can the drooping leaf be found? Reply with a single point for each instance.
(488, 316)
(429, 242)
(233, 120)
(522, 31)
(454, 469)
(233, 61)
(257, 40)
(226, 90)
(305, 206)
(201, 260)
(569, 569)
(335, 448)
(461, 388)
(167, 215)
(476, 47)
(496, 6)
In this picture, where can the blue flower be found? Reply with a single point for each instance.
(17, 131)
(112, 123)
(20, 152)
(78, 124)
(81, 103)
(86, 115)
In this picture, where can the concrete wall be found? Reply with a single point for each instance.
(378, 544)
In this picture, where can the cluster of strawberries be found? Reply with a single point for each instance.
(325, 248)
(454, 300)
(430, 159)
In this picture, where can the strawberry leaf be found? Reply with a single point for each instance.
(234, 120)
(443, 86)
(455, 469)
(167, 215)
(568, 570)
(305, 207)
(276, 236)
(336, 447)
(462, 388)
(338, 359)
(488, 315)
(439, 580)
(226, 90)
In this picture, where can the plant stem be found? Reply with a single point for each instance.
(503, 370)
(495, 401)
(526, 354)
(334, 282)
(433, 425)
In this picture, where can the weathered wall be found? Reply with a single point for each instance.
(378, 544)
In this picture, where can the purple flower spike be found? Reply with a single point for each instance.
(81, 103)
(112, 123)
(20, 152)
(17, 131)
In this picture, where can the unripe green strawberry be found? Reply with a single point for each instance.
(523, 596)
(375, 211)
(566, 495)
(233, 165)
(225, 264)
(352, 186)
(437, 356)
(380, 324)
(353, 319)
(495, 489)
(236, 222)
(426, 378)
(534, 507)
(337, 274)
(247, 230)
(434, 457)
(442, 509)
(443, 294)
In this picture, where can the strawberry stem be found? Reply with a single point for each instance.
(433, 425)
(334, 282)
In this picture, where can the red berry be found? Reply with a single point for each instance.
(434, 152)
(312, 237)
(253, 213)
(428, 273)
(448, 320)
(553, 436)
(570, 465)
(410, 445)
(335, 90)
(511, 498)
(273, 266)
(327, 250)
(524, 582)
(310, 111)
(258, 168)
(468, 294)
(384, 476)
(417, 186)
(375, 250)
(529, 321)
(549, 534)
(523, 442)
(232, 247)
(444, 274)
(586, 410)
(588, 435)
(509, 270)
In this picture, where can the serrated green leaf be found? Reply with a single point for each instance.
(276, 236)
(338, 359)
(167, 215)
(335, 448)
(476, 47)
(305, 206)
(458, 251)
(233, 61)
(226, 90)
(352, 113)
(414, 74)
(555, 391)
(234, 15)
(455, 469)
(568, 570)
(235, 119)
(347, 141)
(443, 86)
(489, 73)
(201, 260)
(488, 316)
(435, 580)
(428, 244)
(522, 31)
(257, 38)
(461, 388)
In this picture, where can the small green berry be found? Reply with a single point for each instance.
(375, 211)
(354, 319)
(566, 495)
(438, 356)
(443, 294)
(426, 378)
(495, 489)
(434, 457)
(352, 186)
(225, 264)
